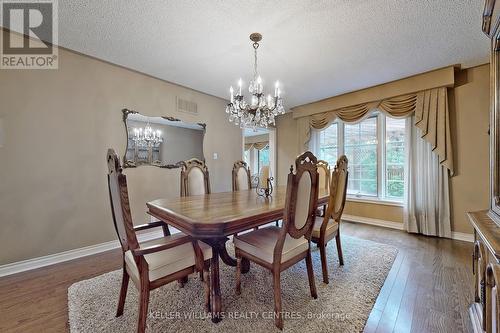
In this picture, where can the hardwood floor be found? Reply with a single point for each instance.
(427, 290)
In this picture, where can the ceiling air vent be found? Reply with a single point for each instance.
(186, 106)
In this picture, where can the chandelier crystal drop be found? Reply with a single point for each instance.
(147, 137)
(259, 111)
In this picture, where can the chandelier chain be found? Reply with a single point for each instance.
(255, 62)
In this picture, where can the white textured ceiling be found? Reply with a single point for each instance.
(317, 49)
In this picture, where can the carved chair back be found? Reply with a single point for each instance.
(301, 200)
(338, 190)
(241, 176)
(194, 178)
(120, 207)
(324, 174)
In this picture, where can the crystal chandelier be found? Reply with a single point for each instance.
(259, 112)
(147, 137)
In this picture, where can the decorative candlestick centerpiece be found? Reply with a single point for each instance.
(265, 183)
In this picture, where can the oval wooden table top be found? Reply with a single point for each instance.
(222, 214)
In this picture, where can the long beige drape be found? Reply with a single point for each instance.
(256, 145)
(431, 117)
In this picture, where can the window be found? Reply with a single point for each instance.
(246, 156)
(375, 148)
(360, 147)
(263, 157)
(394, 158)
(328, 144)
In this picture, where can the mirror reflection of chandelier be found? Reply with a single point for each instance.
(147, 137)
(259, 112)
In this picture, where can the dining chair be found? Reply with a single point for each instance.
(154, 263)
(278, 248)
(194, 178)
(241, 176)
(327, 227)
(323, 174)
(323, 181)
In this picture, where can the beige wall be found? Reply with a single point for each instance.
(286, 145)
(469, 188)
(57, 127)
(469, 112)
(374, 211)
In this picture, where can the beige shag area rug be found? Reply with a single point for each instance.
(342, 306)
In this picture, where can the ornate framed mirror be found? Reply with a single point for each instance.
(161, 141)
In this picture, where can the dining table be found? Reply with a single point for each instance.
(213, 217)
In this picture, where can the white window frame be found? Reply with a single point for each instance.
(380, 198)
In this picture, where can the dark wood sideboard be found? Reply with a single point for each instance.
(484, 310)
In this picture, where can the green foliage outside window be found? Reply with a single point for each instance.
(361, 147)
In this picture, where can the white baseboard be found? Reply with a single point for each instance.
(462, 236)
(26, 265)
(399, 226)
(369, 220)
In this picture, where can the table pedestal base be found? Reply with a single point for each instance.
(219, 250)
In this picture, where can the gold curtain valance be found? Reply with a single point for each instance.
(256, 145)
(431, 117)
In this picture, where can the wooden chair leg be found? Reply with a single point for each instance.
(206, 285)
(310, 275)
(182, 281)
(339, 249)
(238, 275)
(143, 308)
(123, 293)
(278, 316)
(324, 266)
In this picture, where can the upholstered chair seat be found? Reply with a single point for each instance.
(166, 262)
(260, 243)
(331, 227)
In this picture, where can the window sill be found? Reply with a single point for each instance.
(374, 201)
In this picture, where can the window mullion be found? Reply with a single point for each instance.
(381, 156)
(340, 139)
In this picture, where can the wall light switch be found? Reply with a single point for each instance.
(216, 156)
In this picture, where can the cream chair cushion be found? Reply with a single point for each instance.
(339, 196)
(331, 227)
(196, 182)
(166, 262)
(303, 198)
(322, 179)
(242, 179)
(260, 243)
